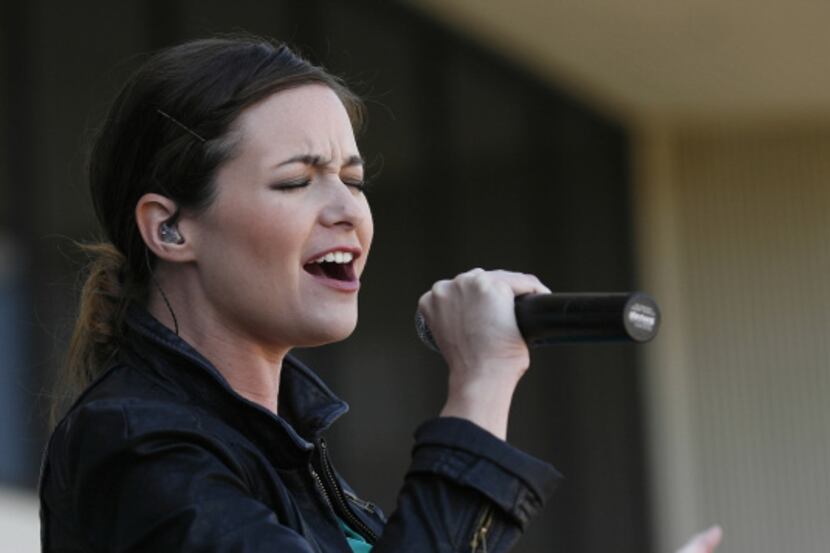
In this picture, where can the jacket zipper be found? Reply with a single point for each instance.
(339, 497)
(319, 482)
(479, 540)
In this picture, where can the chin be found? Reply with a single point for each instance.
(329, 332)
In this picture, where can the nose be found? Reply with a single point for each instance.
(344, 206)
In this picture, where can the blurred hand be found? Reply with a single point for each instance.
(704, 542)
(472, 318)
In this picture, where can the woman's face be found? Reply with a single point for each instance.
(280, 251)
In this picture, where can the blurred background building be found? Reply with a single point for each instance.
(679, 148)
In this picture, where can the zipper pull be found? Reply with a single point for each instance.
(479, 541)
(362, 503)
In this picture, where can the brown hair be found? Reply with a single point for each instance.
(167, 132)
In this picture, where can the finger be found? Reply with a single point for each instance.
(423, 301)
(704, 542)
(712, 537)
(440, 289)
(522, 283)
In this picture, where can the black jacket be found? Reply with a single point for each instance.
(161, 454)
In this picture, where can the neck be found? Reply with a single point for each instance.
(251, 369)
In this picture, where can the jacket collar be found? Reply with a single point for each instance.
(307, 407)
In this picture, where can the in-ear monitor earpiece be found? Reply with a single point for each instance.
(170, 234)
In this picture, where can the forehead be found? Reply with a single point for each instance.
(308, 119)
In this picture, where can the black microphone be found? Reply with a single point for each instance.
(548, 319)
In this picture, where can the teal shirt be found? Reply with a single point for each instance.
(356, 541)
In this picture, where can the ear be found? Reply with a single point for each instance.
(150, 212)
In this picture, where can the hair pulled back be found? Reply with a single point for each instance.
(167, 132)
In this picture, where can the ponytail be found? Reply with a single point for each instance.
(99, 326)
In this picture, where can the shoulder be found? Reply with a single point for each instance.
(128, 444)
(129, 399)
(116, 429)
(124, 402)
(122, 416)
(127, 469)
(126, 418)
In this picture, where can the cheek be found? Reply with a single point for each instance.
(269, 239)
(260, 235)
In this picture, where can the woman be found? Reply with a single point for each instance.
(230, 188)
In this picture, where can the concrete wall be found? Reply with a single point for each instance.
(18, 522)
(734, 227)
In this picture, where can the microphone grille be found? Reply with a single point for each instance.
(424, 333)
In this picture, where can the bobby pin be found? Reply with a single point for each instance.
(180, 124)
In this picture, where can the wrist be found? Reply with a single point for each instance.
(484, 403)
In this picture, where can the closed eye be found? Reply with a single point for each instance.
(291, 185)
(360, 186)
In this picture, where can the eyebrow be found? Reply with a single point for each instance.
(318, 161)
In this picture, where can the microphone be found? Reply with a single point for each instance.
(602, 317)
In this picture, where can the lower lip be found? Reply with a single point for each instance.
(339, 285)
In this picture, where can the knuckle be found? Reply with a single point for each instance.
(484, 280)
(439, 289)
(470, 275)
(472, 278)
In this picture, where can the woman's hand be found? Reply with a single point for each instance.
(472, 318)
(705, 542)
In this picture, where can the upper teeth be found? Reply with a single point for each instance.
(335, 257)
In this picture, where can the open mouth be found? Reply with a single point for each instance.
(333, 270)
(334, 265)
